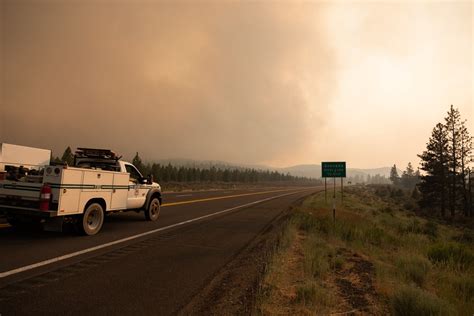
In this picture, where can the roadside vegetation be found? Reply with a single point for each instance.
(378, 257)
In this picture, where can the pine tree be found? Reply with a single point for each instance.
(68, 157)
(453, 125)
(394, 177)
(435, 163)
(137, 162)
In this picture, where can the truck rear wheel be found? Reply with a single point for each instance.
(153, 211)
(91, 221)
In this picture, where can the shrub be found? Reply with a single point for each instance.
(392, 193)
(414, 268)
(430, 229)
(409, 205)
(316, 257)
(308, 294)
(466, 237)
(464, 288)
(387, 209)
(317, 266)
(336, 262)
(305, 294)
(309, 223)
(325, 225)
(286, 237)
(413, 301)
(374, 235)
(382, 191)
(305, 221)
(346, 231)
(451, 254)
(399, 193)
(414, 226)
(400, 228)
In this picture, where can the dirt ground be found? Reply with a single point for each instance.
(355, 285)
(351, 286)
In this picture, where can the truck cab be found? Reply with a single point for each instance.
(139, 185)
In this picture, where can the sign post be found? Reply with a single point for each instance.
(336, 169)
(342, 190)
(325, 190)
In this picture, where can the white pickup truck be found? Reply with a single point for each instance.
(97, 183)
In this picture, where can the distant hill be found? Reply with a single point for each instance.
(383, 171)
(314, 171)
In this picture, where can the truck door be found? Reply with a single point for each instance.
(136, 194)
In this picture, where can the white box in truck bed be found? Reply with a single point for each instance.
(75, 187)
(72, 188)
(16, 155)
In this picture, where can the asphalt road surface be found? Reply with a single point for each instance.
(133, 266)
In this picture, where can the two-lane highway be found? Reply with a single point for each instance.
(134, 266)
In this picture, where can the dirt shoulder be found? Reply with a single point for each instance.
(337, 281)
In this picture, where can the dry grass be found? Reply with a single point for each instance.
(420, 267)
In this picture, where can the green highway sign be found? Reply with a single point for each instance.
(335, 169)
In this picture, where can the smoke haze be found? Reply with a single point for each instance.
(235, 82)
(274, 83)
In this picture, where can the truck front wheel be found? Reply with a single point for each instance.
(153, 211)
(91, 221)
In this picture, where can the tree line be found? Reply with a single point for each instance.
(445, 183)
(170, 173)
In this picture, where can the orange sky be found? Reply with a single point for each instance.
(278, 83)
(399, 67)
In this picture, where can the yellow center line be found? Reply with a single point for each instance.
(222, 197)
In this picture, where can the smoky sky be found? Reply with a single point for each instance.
(244, 82)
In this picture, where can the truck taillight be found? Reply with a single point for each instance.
(45, 197)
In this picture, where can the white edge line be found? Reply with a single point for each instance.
(84, 251)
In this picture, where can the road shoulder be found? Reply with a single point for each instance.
(232, 291)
